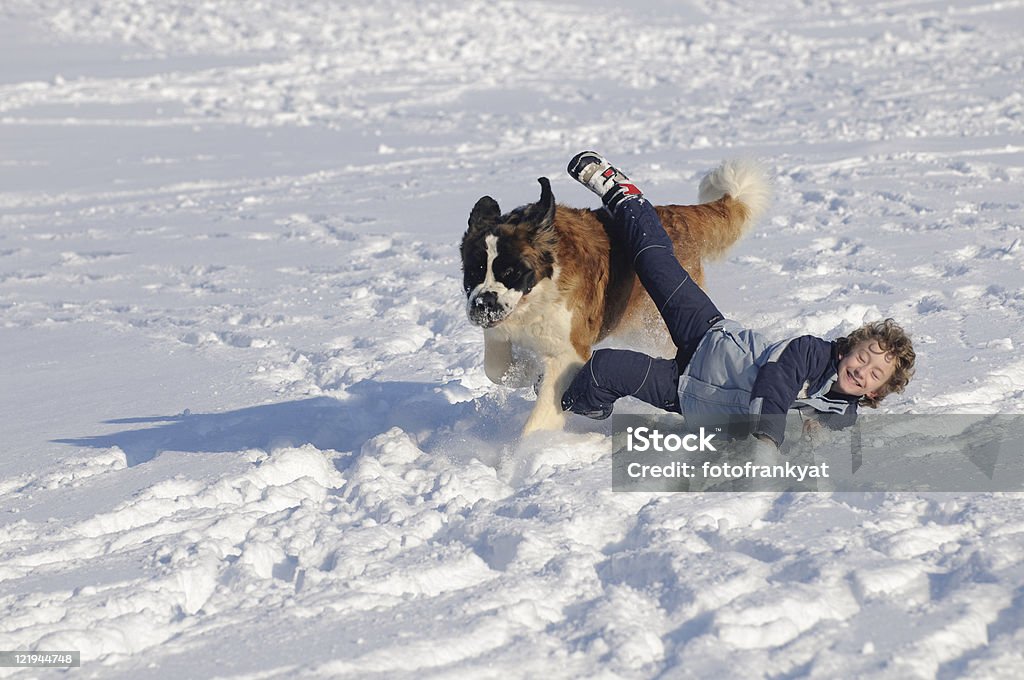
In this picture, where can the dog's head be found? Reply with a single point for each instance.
(505, 256)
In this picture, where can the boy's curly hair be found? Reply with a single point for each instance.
(892, 339)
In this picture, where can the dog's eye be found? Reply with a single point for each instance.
(508, 273)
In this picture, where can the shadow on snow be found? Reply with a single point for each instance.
(426, 411)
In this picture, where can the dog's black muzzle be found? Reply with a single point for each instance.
(484, 310)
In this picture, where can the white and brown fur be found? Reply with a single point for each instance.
(547, 278)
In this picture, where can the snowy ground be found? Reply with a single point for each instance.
(245, 426)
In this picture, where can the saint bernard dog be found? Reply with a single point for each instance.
(546, 278)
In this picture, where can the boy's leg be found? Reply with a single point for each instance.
(614, 373)
(687, 310)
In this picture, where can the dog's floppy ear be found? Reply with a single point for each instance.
(542, 213)
(485, 214)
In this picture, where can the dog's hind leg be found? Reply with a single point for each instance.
(558, 374)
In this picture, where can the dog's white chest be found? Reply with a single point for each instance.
(541, 321)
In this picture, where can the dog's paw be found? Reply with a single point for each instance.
(522, 374)
(542, 419)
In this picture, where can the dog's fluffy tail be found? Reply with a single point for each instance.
(738, 192)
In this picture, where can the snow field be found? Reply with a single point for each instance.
(246, 430)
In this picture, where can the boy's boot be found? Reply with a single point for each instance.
(591, 170)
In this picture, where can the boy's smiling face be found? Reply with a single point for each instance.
(864, 370)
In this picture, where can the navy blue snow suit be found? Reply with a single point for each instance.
(720, 368)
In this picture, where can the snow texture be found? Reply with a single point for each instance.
(245, 427)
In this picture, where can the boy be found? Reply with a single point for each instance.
(722, 367)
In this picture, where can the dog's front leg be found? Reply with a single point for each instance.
(497, 357)
(558, 374)
(502, 368)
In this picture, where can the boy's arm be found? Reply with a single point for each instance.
(779, 382)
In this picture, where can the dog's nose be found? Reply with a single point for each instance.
(485, 301)
(485, 310)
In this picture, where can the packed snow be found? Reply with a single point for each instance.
(246, 431)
